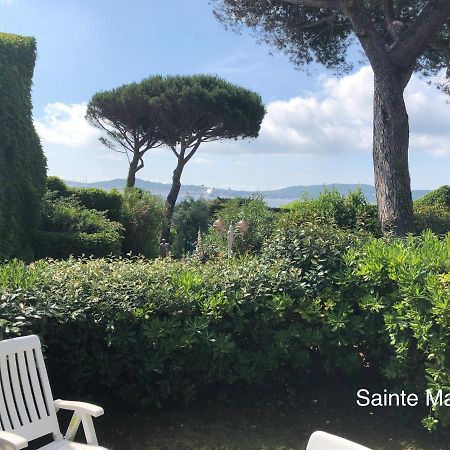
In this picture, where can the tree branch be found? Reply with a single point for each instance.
(148, 146)
(326, 19)
(172, 147)
(328, 4)
(372, 40)
(140, 165)
(123, 131)
(110, 133)
(414, 40)
(194, 149)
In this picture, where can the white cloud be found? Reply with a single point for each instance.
(338, 118)
(64, 124)
(7, 2)
(335, 119)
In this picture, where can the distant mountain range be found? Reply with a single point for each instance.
(276, 197)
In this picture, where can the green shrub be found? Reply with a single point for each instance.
(172, 329)
(438, 197)
(19, 275)
(68, 228)
(66, 214)
(404, 285)
(432, 211)
(60, 245)
(58, 187)
(154, 332)
(314, 248)
(351, 212)
(144, 218)
(432, 217)
(261, 221)
(188, 218)
(109, 202)
(22, 161)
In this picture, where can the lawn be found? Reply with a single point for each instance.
(266, 422)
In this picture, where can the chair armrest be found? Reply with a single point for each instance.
(12, 440)
(80, 407)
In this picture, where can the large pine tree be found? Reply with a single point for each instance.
(398, 38)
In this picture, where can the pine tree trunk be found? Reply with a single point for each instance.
(131, 180)
(172, 197)
(390, 155)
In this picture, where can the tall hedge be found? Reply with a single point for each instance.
(22, 161)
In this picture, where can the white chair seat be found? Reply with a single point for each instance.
(66, 445)
(27, 408)
(320, 440)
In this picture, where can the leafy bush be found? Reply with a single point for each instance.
(70, 229)
(261, 221)
(432, 217)
(22, 161)
(61, 245)
(315, 249)
(144, 218)
(438, 197)
(170, 330)
(351, 212)
(93, 215)
(189, 217)
(109, 202)
(58, 187)
(155, 332)
(432, 211)
(404, 285)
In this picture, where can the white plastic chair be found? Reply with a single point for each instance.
(320, 440)
(27, 408)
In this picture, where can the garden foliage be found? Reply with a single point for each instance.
(109, 202)
(143, 218)
(68, 228)
(190, 216)
(432, 211)
(261, 222)
(438, 197)
(404, 288)
(348, 212)
(316, 301)
(22, 162)
(95, 222)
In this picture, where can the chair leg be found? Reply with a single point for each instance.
(89, 430)
(73, 427)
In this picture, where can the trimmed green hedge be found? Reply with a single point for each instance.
(144, 216)
(68, 228)
(432, 211)
(22, 162)
(348, 212)
(438, 197)
(109, 202)
(154, 332)
(63, 244)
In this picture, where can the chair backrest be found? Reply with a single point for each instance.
(26, 401)
(320, 440)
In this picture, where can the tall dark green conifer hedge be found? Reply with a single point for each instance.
(22, 161)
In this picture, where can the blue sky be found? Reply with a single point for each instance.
(317, 129)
